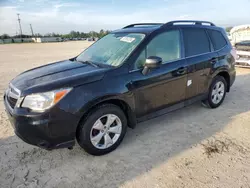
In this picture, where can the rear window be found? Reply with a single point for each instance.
(196, 41)
(218, 39)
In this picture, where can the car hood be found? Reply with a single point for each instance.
(57, 75)
(243, 46)
(245, 42)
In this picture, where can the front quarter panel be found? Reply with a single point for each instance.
(114, 85)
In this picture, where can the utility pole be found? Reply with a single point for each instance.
(19, 21)
(31, 30)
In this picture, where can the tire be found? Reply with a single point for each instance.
(96, 126)
(210, 101)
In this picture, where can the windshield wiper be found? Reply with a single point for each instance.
(90, 63)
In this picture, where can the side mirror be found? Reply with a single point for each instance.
(151, 63)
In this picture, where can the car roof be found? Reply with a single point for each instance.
(139, 29)
(148, 28)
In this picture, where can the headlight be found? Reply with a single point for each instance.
(43, 101)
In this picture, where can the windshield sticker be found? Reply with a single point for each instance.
(127, 39)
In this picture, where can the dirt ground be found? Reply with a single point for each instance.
(191, 147)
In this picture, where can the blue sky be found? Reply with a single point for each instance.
(62, 16)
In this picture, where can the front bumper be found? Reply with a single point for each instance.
(49, 130)
(243, 58)
(243, 62)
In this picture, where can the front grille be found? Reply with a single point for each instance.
(12, 101)
(243, 47)
(12, 95)
(244, 56)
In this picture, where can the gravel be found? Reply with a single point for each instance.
(191, 147)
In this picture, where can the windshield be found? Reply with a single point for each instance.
(112, 49)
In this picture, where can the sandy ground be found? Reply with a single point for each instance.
(191, 147)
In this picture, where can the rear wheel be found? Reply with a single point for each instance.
(103, 130)
(217, 92)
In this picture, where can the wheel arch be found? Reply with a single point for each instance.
(125, 107)
(224, 72)
(226, 76)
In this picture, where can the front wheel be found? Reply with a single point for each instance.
(102, 130)
(217, 92)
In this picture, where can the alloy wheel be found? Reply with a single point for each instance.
(106, 131)
(218, 92)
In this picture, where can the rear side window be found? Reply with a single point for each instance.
(196, 41)
(218, 39)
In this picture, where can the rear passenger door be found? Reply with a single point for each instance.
(221, 51)
(198, 53)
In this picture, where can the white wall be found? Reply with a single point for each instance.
(48, 39)
(15, 40)
(39, 39)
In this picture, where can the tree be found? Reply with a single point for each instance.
(55, 34)
(37, 35)
(93, 34)
(83, 35)
(228, 29)
(4, 36)
(101, 33)
(77, 34)
(73, 34)
(47, 35)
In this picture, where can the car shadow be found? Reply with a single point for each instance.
(149, 145)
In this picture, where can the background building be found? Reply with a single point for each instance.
(47, 39)
(240, 33)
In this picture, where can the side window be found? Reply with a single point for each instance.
(196, 41)
(140, 60)
(165, 45)
(218, 39)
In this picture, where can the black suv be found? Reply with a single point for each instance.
(130, 75)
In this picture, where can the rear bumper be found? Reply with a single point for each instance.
(232, 77)
(49, 130)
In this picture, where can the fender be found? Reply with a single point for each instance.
(216, 72)
(125, 102)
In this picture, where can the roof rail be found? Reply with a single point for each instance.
(195, 22)
(143, 24)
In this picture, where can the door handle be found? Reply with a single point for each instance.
(181, 70)
(213, 60)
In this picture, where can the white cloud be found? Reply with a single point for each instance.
(41, 1)
(63, 17)
(60, 5)
(183, 17)
(8, 19)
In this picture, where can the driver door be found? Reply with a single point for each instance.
(164, 86)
